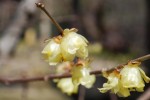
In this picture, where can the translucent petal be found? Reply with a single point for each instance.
(66, 31)
(88, 81)
(112, 83)
(104, 89)
(146, 79)
(131, 77)
(80, 75)
(77, 74)
(52, 52)
(73, 44)
(141, 89)
(82, 52)
(67, 56)
(68, 49)
(67, 86)
(123, 92)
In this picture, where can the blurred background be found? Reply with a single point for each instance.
(118, 31)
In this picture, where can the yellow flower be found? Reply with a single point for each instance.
(132, 77)
(123, 92)
(67, 86)
(114, 85)
(66, 47)
(52, 52)
(73, 44)
(81, 75)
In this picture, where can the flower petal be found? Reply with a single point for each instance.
(73, 44)
(88, 81)
(146, 79)
(131, 77)
(67, 86)
(141, 89)
(52, 52)
(82, 52)
(123, 92)
(81, 75)
(112, 84)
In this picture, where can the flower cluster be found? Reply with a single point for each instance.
(66, 47)
(70, 46)
(130, 78)
(80, 75)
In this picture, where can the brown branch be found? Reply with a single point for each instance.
(41, 78)
(143, 58)
(54, 76)
(42, 7)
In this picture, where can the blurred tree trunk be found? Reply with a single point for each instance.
(5, 17)
(12, 33)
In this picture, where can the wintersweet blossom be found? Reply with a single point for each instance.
(66, 47)
(114, 85)
(52, 51)
(81, 75)
(67, 86)
(129, 78)
(73, 44)
(133, 77)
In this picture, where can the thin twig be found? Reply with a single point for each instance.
(143, 58)
(42, 7)
(54, 76)
(81, 93)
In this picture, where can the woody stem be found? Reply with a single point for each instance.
(42, 7)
